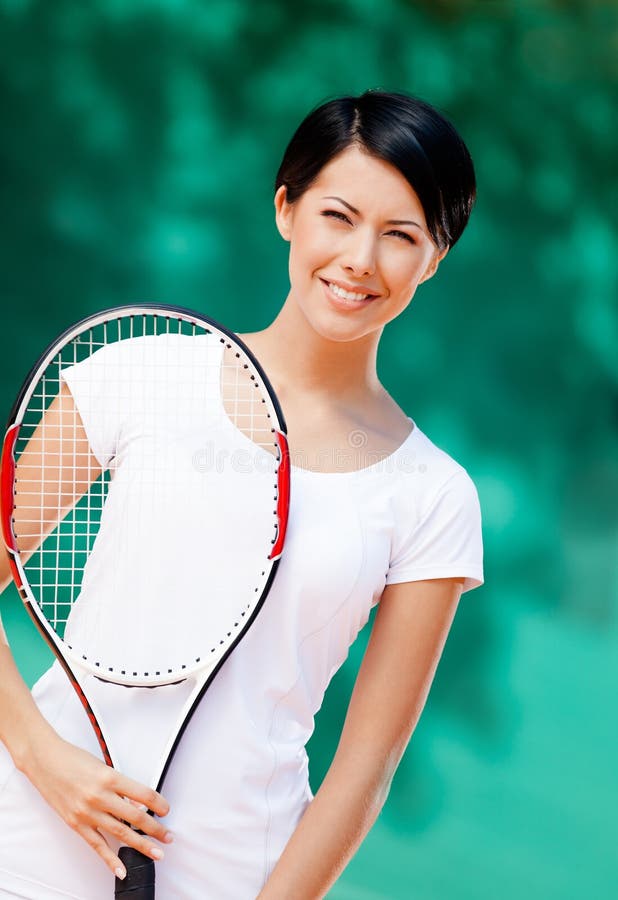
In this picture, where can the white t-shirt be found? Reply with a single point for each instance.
(239, 782)
(175, 562)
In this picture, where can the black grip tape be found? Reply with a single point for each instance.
(139, 883)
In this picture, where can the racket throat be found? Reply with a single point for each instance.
(126, 711)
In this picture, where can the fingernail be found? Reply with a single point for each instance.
(156, 853)
(169, 837)
(120, 873)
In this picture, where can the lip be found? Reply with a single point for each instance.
(339, 303)
(357, 288)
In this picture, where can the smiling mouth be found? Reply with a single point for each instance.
(350, 296)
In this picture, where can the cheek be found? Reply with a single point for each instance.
(402, 269)
(410, 266)
(307, 253)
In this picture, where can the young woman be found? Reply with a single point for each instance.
(372, 193)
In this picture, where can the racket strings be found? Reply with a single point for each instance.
(99, 452)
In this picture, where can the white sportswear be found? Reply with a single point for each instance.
(239, 782)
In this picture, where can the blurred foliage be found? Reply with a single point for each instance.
(140, 139)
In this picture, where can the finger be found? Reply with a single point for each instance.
(128, 811)
(98, 843)
(141, 794)
(130, 838)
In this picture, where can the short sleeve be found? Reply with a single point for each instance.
(96, 385)
(446, 540)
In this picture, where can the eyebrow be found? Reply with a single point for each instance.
(389, 222)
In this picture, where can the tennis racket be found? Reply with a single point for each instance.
(144, 492)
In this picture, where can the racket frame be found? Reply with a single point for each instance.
(76, 668)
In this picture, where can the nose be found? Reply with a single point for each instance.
(359, 257)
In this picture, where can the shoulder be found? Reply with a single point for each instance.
(437, 517)
(425, 473)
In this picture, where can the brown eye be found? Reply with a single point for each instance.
(335, 214)
(406, 237)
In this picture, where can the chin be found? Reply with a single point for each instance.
(340, 329)
(332, 324)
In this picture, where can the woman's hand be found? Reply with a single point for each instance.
(95, 800)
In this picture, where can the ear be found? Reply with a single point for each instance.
(283, 213)
(432, 267)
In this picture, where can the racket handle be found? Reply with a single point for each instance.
(139, 883)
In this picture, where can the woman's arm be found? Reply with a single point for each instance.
(87, 794)
(408, 636)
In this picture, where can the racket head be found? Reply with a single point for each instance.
(168, 428)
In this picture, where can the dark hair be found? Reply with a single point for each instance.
(405, 132)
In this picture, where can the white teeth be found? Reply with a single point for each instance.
(346, 295)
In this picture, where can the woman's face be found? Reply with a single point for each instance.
(359, 246)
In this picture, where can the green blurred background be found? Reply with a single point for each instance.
(140, 139)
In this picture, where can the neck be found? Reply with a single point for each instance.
(303, 360)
